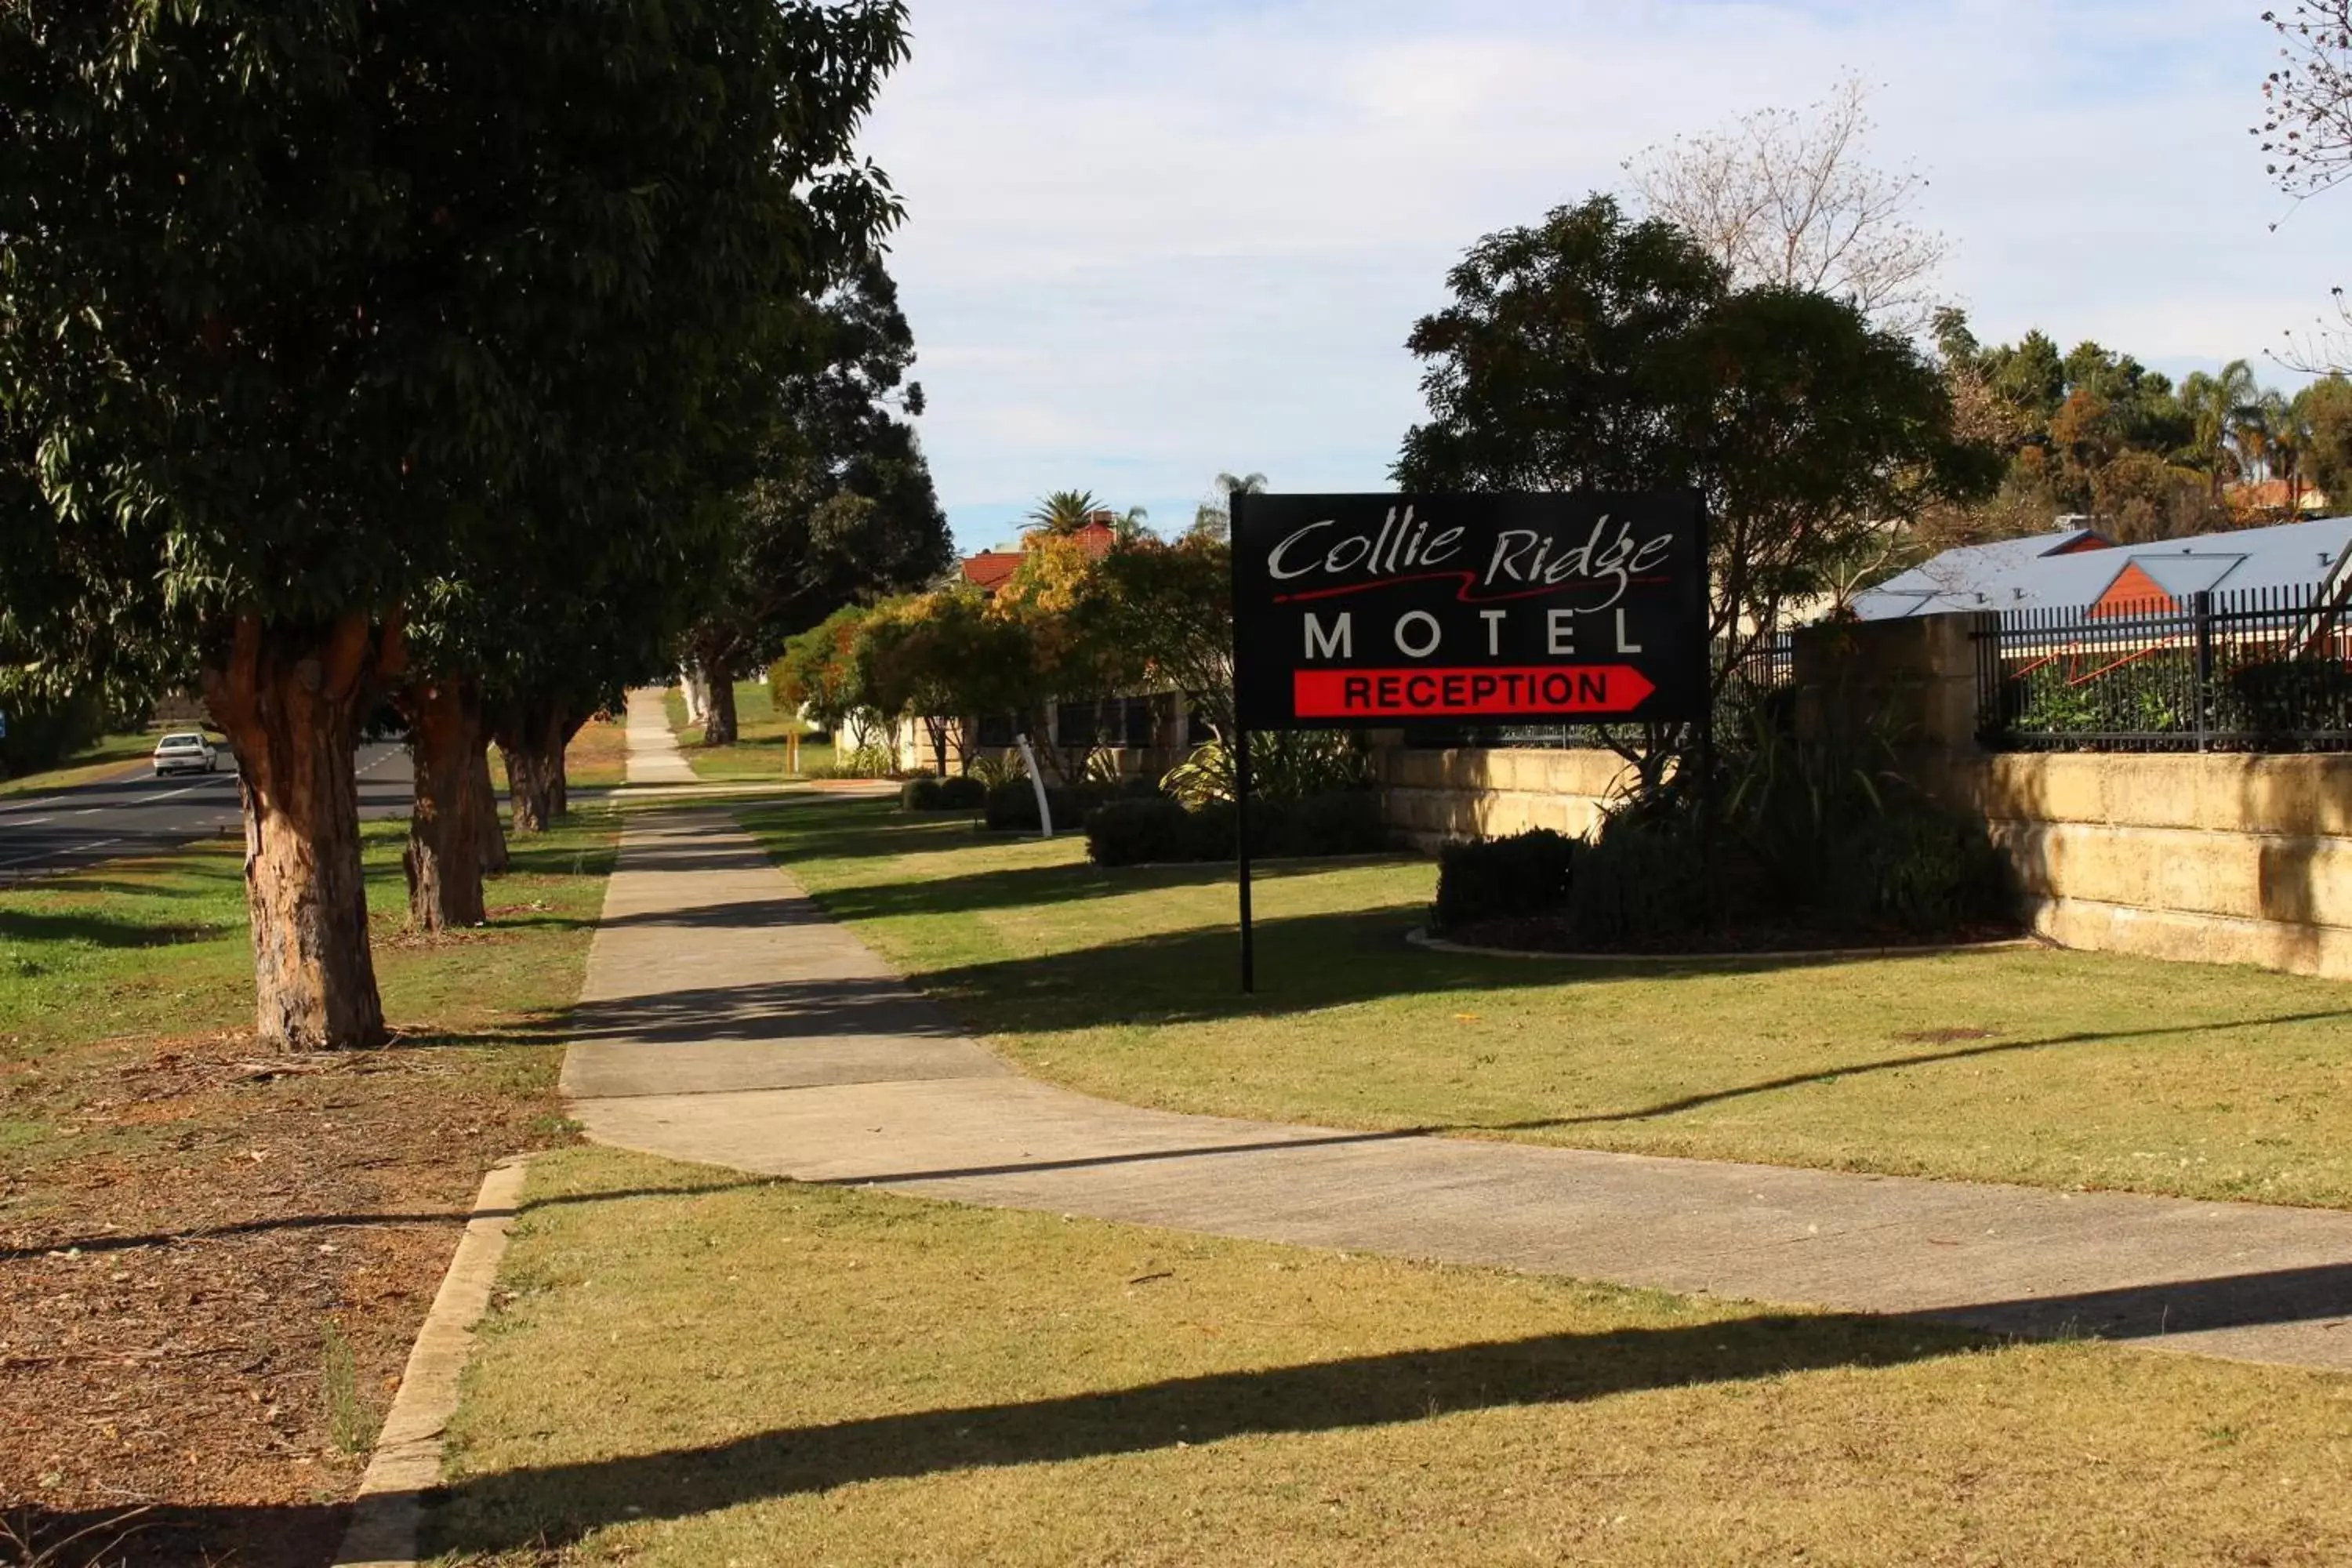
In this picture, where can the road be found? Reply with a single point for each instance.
(137, 813)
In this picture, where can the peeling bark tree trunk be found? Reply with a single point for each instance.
(559, 786)
(526, 791)
(444, 858)
(532, 742)
(718, 728)
(290, 702)
(491, 837)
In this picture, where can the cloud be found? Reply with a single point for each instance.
(1149, 239)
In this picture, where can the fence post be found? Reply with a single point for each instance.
(2203, 609)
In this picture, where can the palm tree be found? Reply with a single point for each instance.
(1067, 512)
(2286, 438)
(1214, 517)
(2221, 406)
(1064, 511)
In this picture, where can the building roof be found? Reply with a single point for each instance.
(990, 568)
(2275, 495)
(2048, 571)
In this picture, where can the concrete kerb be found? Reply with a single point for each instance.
(389, 1509)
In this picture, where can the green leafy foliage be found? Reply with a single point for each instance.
(1594, 351)
(1290, 766)
(956, 794)
(1501, 879)
(1156, 829)
(840, 508)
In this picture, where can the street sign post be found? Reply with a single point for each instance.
(1357, 611)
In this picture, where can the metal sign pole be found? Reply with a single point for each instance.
(1235, 505)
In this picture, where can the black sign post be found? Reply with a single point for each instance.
(1356, 610)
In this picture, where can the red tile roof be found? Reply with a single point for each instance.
(990, 568)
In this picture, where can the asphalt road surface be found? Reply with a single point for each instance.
(137, 813)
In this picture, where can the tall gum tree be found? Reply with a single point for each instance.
(295, 300)
(842, 507)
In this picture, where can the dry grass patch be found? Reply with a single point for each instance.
(686, 1368)
(2061, 1070)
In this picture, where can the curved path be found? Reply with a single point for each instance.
(726, 1019)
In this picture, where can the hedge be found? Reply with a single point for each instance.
(926, 794)
(1161, 830)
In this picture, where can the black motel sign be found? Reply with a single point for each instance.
(1365, 610)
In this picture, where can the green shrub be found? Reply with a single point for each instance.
(1157, 829)
(1011, 807)
(962, 793)
(1141, 833)
(920, 792)
(1638, 882)
(1916, 870)
(1341, 822)
(1501, 879)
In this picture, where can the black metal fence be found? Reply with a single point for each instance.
(2261, 669)
(1767, 667)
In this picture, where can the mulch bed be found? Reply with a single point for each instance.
(173, 1294)
(1551, 934)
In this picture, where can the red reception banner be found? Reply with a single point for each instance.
(1362, 694)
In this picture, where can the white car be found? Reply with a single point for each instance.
(185, 753)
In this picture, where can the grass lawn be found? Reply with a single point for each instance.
(102, 758)
(2054, 1068)
(758, 751)
(213, 1259)
(686, 1368)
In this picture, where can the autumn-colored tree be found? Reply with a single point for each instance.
(944, 660)
(1065, 600)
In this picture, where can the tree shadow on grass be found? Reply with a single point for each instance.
(40, 927)
(557, 1504)
(552, 1506)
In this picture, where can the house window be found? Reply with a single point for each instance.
(1196, 729)
(1074, 724)
(1142, 722)
(996, 729)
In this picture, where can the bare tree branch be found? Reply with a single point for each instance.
(1786, 197)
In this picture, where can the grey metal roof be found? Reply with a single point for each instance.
(2022, 573)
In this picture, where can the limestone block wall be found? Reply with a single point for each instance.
(1431, 796)
(2220, 859)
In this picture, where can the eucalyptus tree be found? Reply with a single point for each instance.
(303, 307)
(839, 505)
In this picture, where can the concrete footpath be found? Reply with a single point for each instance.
(654, 756)
(726, 1020)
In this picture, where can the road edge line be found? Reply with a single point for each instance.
(389, 1508)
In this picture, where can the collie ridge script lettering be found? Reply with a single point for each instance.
(1353, 610)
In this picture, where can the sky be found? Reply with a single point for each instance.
(1149, 240)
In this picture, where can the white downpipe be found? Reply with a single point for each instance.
(1044, 812)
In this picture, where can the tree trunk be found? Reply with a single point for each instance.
(532, 742)
(559, 788)
(444, 858)
(288, 701)
(526, 790)
(719, 722)
(491, 837)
